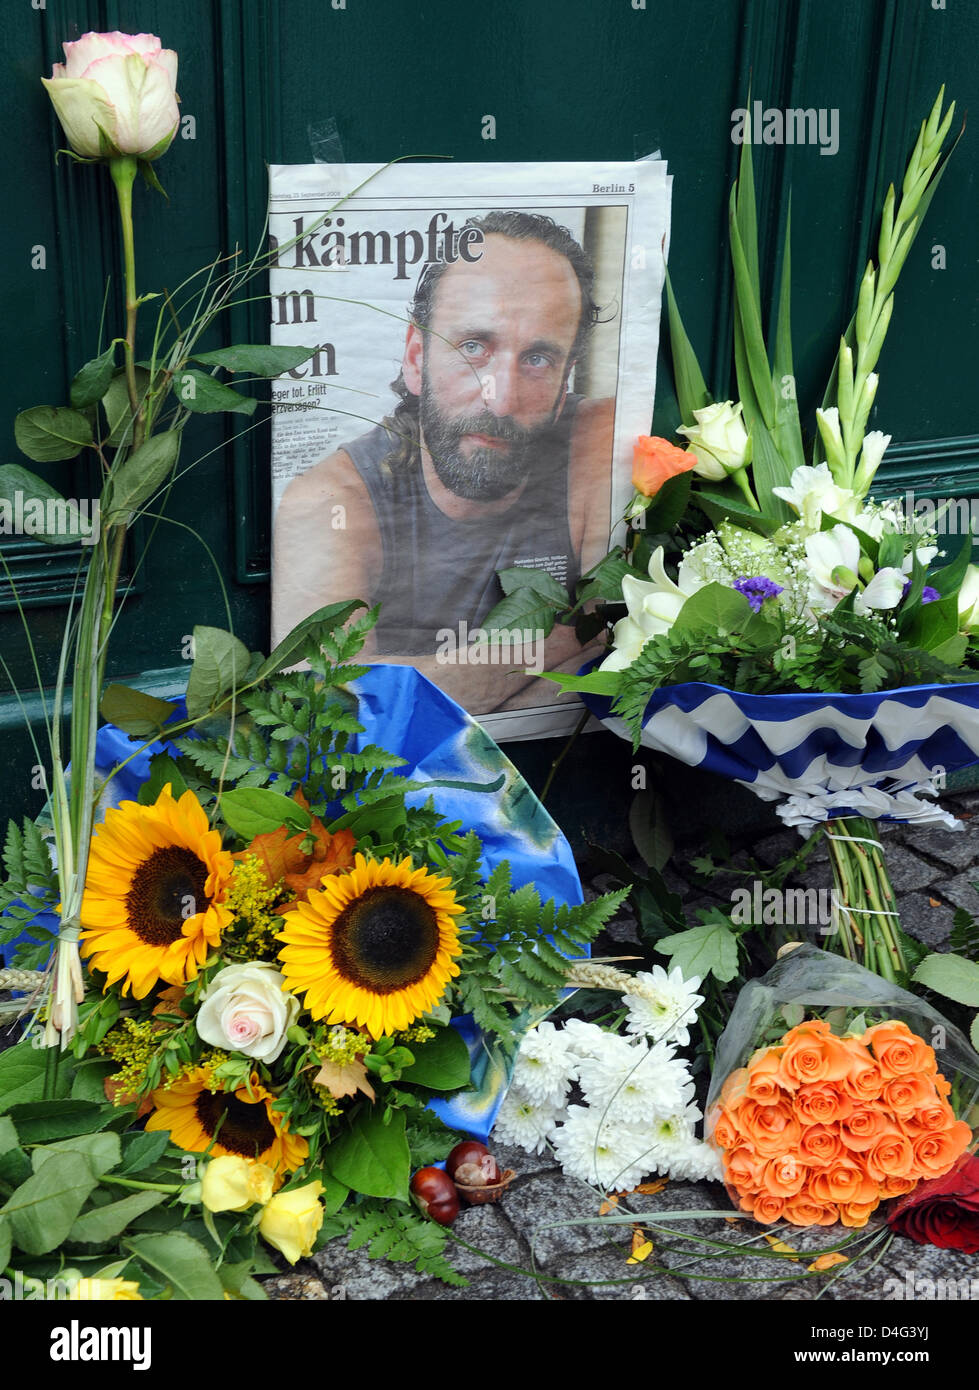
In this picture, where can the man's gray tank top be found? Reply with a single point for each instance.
(438, 573)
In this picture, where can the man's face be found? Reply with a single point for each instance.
(495, 363)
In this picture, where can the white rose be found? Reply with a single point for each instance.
(245, 1010)
(719, 439)
(124, 84)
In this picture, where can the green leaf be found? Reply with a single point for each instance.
(47, 433)
(290, 649)
(948, 579)
(115, 403)
(372, 1157)
(22, 1075)
(220, 663)
(691, 389)
(92, 381)
(256, 358)
(44, 1208)
(38, 504)
(105, 1223)
(650, 828)
(715, 608)
(40, 1121)
(441, 1064)
(933, 624)
(668, 506)
(517, 578)
(142, 1149)
(708, 949)
(8, 1136)
(200, 392)
(6, 1241)
(182, 1262)
(142, 472)
(163, 771)
(951, 975)
(594, 683)
(134, 711)
(101, 1150)
(974, 1033)
(604, 580)
(252, 811)
(237, 1279)
(89, 1078)
(721, 507)
(788, 432)
(769, 470)
(748, 312)
(525, 609)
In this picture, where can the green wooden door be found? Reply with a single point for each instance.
(267, 80)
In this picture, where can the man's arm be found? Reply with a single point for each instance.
(326, 544)
(327, 547)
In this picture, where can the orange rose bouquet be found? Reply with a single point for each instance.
(820, 1122)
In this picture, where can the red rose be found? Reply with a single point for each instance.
(943, 1212)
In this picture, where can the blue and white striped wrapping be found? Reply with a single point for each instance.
(823, 755)
(406, 714)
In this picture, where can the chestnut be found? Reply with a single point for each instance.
(436, 1194)
(469, 1151)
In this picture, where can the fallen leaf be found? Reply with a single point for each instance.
(608, 1205)
(641, 1247)
(733, 1220)
(934, 902)
(344, 1080)
(827, 1261)
(650, 1189)
(781, 1247)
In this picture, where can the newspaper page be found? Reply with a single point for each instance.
(486, 340)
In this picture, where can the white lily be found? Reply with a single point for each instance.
(815, 491)
(969, 601)
(884, 591)
(834, 557)
(653, 608)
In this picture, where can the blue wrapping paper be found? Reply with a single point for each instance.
(882, 750)
(405, 713)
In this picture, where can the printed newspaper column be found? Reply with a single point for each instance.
(486, 343)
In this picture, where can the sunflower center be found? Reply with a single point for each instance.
(386, 939)
(245, 1128)
(167, 888)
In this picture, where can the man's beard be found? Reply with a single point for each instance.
(486, 474)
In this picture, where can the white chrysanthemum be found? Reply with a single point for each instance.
(634, 1082)
(612, 1156)
(695, 1162)
(545, 1067)
(587, 1039)
(664, 1005)
(526, 1122)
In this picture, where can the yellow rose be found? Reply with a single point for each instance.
(106, 1291)
(231, 1183)
(292, 1219)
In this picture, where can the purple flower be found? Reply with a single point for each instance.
(928, 594)
(757, 589)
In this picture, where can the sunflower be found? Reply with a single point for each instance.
(375, 946)
(154, 893)
(245, 1125)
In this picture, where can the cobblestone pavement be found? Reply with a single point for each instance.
(546, 1240)
(550, 1223)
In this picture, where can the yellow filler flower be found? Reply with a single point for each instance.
(238, 1123)
(154, 893)
(375, 946)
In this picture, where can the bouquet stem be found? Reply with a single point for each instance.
(866, 907)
